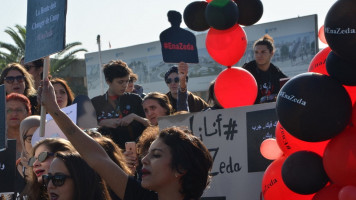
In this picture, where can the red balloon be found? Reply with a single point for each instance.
(347, 193)
(270, 149)
(209, 1)
(353, 115)
(226, 46)
(235, 87)
(322, 35)
(351, 90)
(330, 192)
(290, 144)
(318, 62)
(273, 187)
(340, 158)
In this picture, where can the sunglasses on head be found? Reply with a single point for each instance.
(42, 157)
(169, 80)
(57, 179)
(11, 79)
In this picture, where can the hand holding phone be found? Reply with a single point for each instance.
(131, 147)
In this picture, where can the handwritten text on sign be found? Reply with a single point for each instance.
(231, 135)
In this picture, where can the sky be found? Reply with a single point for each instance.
(127, 23)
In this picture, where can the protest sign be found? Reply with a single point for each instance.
(45, 29)
(51, 128)
(233, 137)
(8, 167)
(177, 44)
(2, 118)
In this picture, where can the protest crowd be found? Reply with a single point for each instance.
(122, 152)
(98, 163)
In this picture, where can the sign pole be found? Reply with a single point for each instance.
(100, 64)
(46, 68)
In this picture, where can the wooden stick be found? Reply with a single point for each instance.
(46, 68)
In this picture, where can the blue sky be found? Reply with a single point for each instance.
(127, 23)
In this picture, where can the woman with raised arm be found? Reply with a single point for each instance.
(177, 165)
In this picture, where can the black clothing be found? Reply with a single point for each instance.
(195, 103)
(134, 191)
(125, 104)
(35, 108)
(268, 84)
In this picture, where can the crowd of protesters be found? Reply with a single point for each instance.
(96, 163)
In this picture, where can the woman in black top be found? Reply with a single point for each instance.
(266, 74)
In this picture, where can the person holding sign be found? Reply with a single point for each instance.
(35, 68)
(177, 165)
(177, 84)
(17, 80)
(119, 114)
(266, 74)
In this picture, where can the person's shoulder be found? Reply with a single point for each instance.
(250, 65)
(196, 97)
(98, 98)
(276, 69)
(132, 96)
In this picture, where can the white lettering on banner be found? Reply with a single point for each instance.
(45, 35)
(339, 31)
(45, 9)
(292, 98)
(54, 17)
(2, 167)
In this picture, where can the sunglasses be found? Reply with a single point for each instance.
(27, 138)
(169, 80)
(57, 179)
(11, 79)
(41, 158)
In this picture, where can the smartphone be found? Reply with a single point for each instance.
(131, 146)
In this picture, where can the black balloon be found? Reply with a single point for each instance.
(194, 16)
(303, 172)
(340, 29)
(222, 17)
(313, 107)
(250, 11)
(340, 69)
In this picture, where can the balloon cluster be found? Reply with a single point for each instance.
(226, 43)
(317, 120)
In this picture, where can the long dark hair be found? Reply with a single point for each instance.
(33, 189)
(88, 184)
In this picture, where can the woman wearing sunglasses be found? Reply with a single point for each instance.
(177, 165)
(17, 80)
(27, 127)
(70, 178)
(42, 156)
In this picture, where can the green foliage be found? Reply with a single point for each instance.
(14, 52)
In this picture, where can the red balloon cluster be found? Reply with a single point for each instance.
(338, 154)
(226, 41)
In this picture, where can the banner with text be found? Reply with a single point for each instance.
(45, 29)
(233, 137)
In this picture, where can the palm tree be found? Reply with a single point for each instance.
(15, 52)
